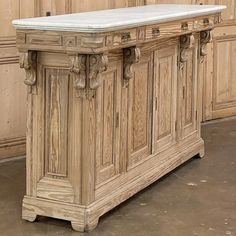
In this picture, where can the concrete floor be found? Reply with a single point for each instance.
(199, 198)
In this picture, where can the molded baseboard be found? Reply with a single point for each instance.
(12, 147)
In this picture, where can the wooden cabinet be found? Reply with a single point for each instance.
(107, 119)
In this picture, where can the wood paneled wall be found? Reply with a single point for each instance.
(220, 87)
(12, 89)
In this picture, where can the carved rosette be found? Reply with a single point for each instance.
(87, 70)
(205, 38)
(28, 62)
(130, 56)
(186, 42)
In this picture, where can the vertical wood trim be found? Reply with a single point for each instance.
(88, 153)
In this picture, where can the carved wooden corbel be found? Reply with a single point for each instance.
(88, 69)
(97, 64)
(130, 56)
(205, 38)
(186, 42)
(28, 62)
(78, 68)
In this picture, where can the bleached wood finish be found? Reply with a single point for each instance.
(219, 95)
(165, 94)
(111, 116)
(12, 91)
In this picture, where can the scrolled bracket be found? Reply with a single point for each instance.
(78, 68)
(28, 62)
(97, 65)
(186, 42)
(87, 70)
(130, 56)
(205, 38)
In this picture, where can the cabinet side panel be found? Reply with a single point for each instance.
(56, 121)
(56, 146)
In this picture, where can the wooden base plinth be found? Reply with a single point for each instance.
(85, 218)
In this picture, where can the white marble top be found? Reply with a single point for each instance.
(110, 20)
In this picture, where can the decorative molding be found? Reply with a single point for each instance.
(28, 62)
(87, 70)
(9, 60)
(205, 38)
(8, 41)
(11, 147)
(9, 142)
(8, 54)
(186, 42)
(130, 56)
(99, 43)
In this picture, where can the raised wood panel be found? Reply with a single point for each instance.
(9, 10)
(108, 100)
(12, 89)
(224, 82)
(188, 82)
(53, 7)
(165, 104)
(56, 121)
(219, 81)
(13, 105)
(139, 111)
(13, 9)
(54, 126)
(54, 87)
